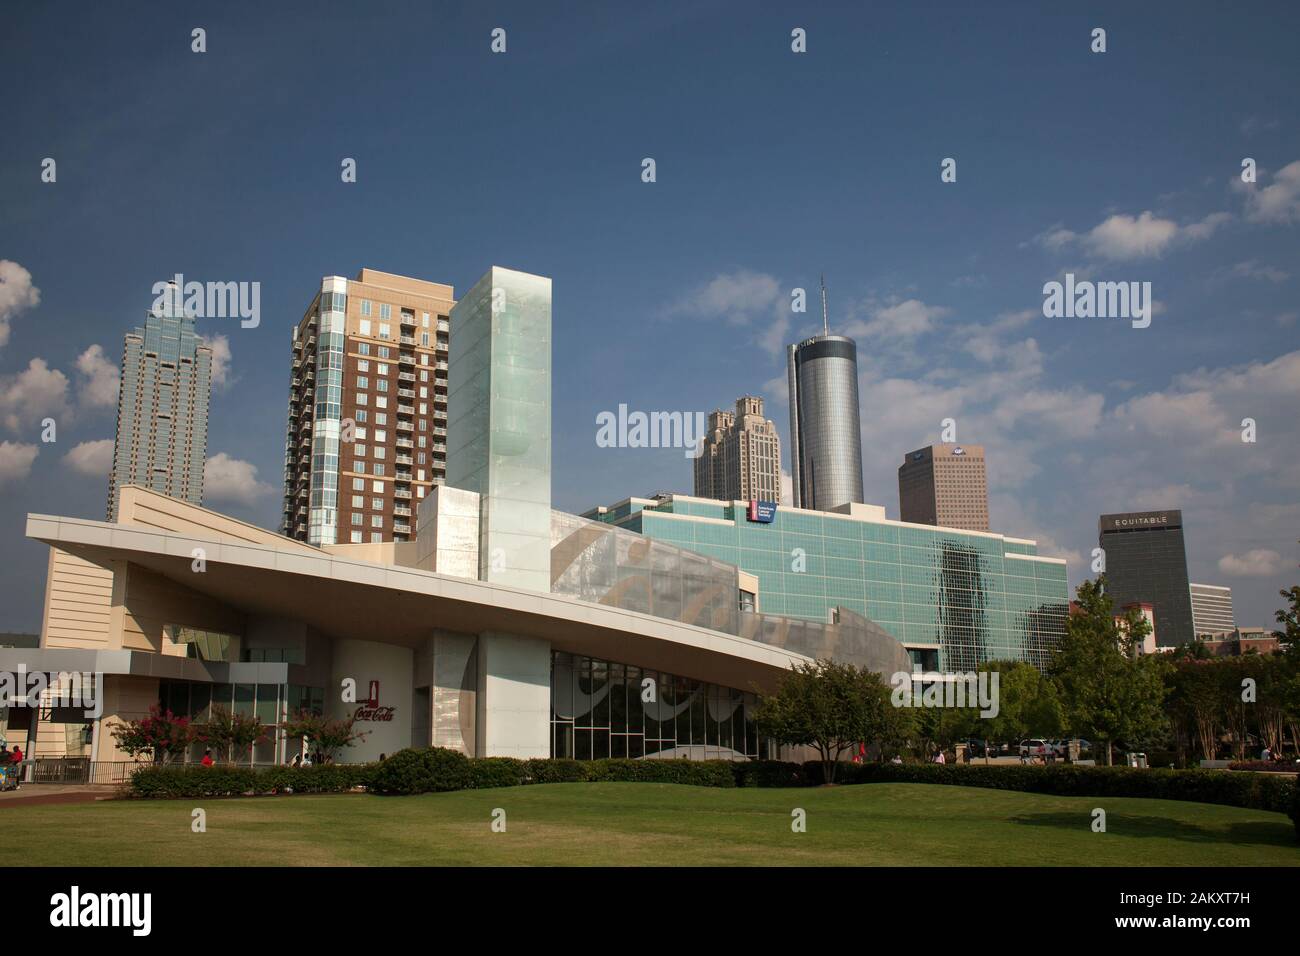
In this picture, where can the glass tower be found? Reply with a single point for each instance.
(825, 433)
(162, 407)
(499, 422)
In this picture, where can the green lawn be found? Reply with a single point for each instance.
(655, 824)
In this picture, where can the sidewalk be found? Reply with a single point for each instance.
(38, 794)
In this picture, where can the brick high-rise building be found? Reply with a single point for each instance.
(162, 406)
(945, 485)
(367, 435)
(741, 458)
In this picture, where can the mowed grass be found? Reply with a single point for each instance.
(633, 824)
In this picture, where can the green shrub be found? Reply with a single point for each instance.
(561, 770)
(427, 770)
(1253, 791)
(194, 780)
(699, 773)
(497, 772)
(770, 773)
(1295, 810)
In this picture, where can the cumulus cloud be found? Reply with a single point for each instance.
(100, 378)
(743, 298)
(232, 479)
(1125, 237)
(220, 345)
(903, 320)
(16, 460)
(1279, 201)
(33, 394)
(16, 294)
(91, 458)
(1256, 563)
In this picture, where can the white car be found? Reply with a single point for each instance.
(1035, 747)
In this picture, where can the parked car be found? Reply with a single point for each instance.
(1034, 747)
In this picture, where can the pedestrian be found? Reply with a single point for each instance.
(1266, 754)
(297, 759)
(940, 758)
(207, 758)
(306, 759)
(17, 761)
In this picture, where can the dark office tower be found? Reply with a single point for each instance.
(1146, 563)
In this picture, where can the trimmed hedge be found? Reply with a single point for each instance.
(1274, 793)
(436, 770)
(193, 780)
(1295, 810)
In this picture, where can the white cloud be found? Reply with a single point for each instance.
(1279, 201)
(16, 460)
(737, 297)
(1251, 269)
(220, 346)
(35, 393)
(92, 458)
(1257, 124)
(1256, 563)
(16, 293)
(231, 479)
(1125, 237)
(902, 320)
(100, 378)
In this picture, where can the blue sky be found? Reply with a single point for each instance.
(772, 167)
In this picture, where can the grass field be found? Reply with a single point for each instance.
(654, 824)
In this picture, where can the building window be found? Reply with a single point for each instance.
(364, 327)
(365, 306)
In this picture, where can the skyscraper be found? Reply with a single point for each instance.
(741, 457)
(1146, 563)
(367, 426)
(1212, 609)
(162, 406)
(825, 433)
(500, 435)
(944, 485)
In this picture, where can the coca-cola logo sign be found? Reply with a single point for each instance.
(371, 709)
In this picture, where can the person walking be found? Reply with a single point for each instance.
(207, 758)
(17, 770)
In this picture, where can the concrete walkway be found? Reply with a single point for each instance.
(36, 794)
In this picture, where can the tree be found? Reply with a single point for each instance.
(1028, 704)
(1289, 636)
(232, 733)
(325, 734)
(831, 707)
(162, 735)
(1108, 693)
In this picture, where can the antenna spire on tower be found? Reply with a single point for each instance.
(826, 328)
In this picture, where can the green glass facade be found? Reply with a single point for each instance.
(953, 598)
(499, 421)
